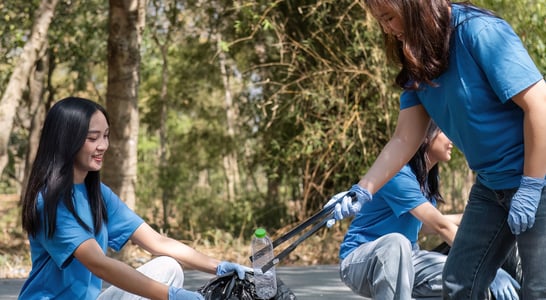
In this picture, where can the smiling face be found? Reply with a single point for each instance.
(390, 21)
(439, 149)
(90, 155)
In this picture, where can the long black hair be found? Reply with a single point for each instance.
(64, 133)
(428, 180)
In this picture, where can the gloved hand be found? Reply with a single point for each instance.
(226, 267)
(333, 201)
(524, 204)
(182, 294)
(504, 287)
(346, 207)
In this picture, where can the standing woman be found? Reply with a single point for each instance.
(71, 218)
(466, 69)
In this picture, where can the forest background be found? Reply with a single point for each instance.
(226, 115)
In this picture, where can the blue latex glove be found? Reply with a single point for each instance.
(504, 287)
(226, 267)
(182, 294)
(346, 207)
(333, 201)
(524, 204)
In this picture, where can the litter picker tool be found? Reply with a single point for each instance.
(316, 221)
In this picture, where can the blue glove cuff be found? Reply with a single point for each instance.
(226, 266)
(220, 268)
(172, 291)
(532, 183)
(362, 194)
(183, 294)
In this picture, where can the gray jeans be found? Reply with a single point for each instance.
(388, 268)
(163, 269)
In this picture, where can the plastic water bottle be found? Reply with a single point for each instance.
(262, 253)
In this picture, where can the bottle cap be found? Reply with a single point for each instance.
(260, 233)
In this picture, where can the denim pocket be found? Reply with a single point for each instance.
(504, 197)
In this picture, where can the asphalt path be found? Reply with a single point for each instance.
(307, 283)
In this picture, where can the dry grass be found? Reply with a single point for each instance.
(14, 254)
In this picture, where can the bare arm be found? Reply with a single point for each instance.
(435, 222)
(410, 131)
(533, 103)
(454, 218)
(157, 244)
(119, 274)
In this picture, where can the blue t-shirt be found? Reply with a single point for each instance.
(388, 212)
(472, 104)
(56, 273)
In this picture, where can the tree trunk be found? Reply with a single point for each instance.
(231, 166)
(37, 109)
(127, 20)
(18, 81)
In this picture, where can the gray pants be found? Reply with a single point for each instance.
(388, 268)
(163, 269)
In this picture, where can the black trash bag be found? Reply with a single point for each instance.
(230, 287)
(442, 248)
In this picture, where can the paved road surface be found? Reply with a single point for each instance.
(308, 283)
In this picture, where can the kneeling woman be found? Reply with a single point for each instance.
(71, 218)
(380, 256)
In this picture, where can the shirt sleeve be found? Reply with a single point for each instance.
(408, 99)
(122, 221)
(501, 55)
(403, 192)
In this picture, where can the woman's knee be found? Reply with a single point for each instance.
(395, 245)
(164, 269)
(394, 254)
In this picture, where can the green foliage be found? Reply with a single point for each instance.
(16, 21)
(312, 94)
(78, 40)
(315, 104)
(325, 110)
(15, 25)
